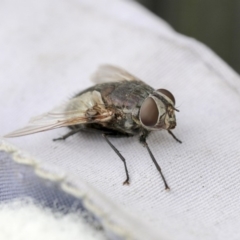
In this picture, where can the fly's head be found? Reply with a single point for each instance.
(158, 111)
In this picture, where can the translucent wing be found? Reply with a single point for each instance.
(87, 108)
(109, 73)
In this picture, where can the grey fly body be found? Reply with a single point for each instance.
(119, 105)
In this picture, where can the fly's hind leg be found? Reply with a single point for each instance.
(72, 132)
(92, 128)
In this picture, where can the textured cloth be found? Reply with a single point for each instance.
(49, 49)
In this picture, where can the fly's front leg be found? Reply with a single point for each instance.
(170, 132)
(126, 182)
(143, 141)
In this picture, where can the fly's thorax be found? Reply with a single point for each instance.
(157, 111)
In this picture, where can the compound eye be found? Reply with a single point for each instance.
(149, 112)
(168, 94)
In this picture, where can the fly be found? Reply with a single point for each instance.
(119, 105)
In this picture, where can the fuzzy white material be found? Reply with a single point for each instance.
(21, 220)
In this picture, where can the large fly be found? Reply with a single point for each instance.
(119, 105)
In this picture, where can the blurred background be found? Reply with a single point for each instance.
(213, 22)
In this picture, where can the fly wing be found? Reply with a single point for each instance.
(109, 73)
(87, 108)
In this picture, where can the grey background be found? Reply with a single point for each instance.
(215, 23)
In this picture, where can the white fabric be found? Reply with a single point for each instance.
(31, 221)
(49, 49)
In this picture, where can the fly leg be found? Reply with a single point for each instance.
(118, 153)
(72, 132)
(143, 141)
(105, 133)
(170, 132)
